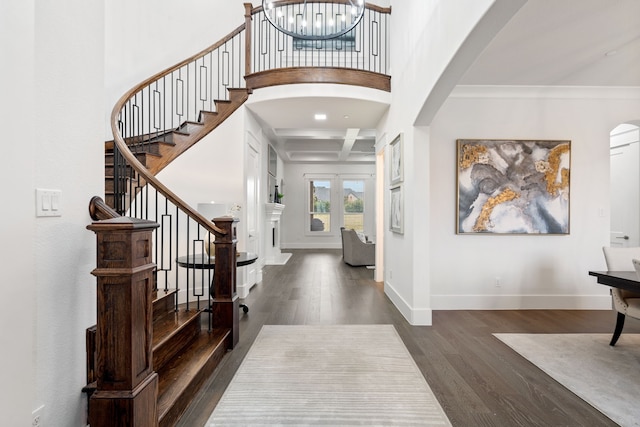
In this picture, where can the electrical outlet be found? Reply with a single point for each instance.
(36, 417)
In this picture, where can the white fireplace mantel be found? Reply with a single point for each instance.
(273, 212)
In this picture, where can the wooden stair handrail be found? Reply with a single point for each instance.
(135, 163)
(99, 210)
(169, 70)
(155, 183)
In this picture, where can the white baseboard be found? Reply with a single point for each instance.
(516, 302)
(423, 316)
(415, 316)
(311, 245)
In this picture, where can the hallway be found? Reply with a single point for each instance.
(478, 380)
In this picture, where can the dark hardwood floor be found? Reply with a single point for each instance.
(478, 380)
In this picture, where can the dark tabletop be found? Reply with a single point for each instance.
(204, 261)
(618, 279)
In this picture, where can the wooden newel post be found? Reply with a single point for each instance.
(127, 386)
(225, 304)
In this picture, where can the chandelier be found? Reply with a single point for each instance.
(315, 20)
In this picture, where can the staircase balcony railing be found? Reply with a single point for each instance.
(359, 57)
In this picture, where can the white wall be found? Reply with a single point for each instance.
(52, 84)
(146, 37)
(422, 53)
(535, 271)
(17, 228)
(213, 169)
(293, 231)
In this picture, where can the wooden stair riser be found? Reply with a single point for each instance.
(164, 303)
(182, 378)
(180, 334)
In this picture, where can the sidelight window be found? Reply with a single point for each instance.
(353, 204)
(319, 205)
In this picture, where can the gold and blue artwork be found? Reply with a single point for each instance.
(513, 186)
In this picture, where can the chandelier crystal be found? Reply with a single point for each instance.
(315, 20)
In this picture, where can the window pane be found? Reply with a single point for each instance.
(353, 192)
(320, 205)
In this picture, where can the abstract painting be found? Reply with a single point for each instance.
(513, 186)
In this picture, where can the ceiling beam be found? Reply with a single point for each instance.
(349, 140)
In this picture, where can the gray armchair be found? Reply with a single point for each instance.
(355, 252)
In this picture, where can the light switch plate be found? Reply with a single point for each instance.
(48, 202)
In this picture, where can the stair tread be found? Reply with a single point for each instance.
(186, 370)
(168, 325)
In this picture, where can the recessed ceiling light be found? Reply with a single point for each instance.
(346, 116)
(320, 116)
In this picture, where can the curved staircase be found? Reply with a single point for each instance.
(153, 124)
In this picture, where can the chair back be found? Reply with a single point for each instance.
(355, 252)
(620, 259)
(636, 265)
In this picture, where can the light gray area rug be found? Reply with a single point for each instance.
(332, 375)
(606, 377)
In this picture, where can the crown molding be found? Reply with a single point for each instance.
(550, 92)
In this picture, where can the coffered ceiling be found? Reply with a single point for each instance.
(347, 134)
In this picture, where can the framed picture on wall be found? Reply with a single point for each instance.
(396, 160)
(273, 162)
(513, 186)
(396, 214)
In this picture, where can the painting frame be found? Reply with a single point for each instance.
(396, 209)
(513, 186)
(272, 165)
(396, 160)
